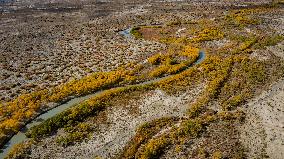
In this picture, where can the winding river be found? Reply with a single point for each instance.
(20, 136)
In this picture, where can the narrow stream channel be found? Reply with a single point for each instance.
(126, 33)
(5, 1)
(20, 136)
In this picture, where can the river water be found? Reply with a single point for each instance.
(5, 1)
(126, 33)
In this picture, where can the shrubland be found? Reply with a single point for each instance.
(232, 77)
(16, 113)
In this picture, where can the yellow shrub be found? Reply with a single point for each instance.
(177, 68)
(209, 34)
(154, 148)
(155, 59)
(159, 71)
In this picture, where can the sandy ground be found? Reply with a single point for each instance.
(263, 131)
(278, 50)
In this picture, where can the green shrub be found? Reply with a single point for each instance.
(72, 137)
(191, 127)
(174, 23)
(269, 40)
(136, 33)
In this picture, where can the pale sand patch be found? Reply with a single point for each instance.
(277, 50)
(263, 131)
(261, 55)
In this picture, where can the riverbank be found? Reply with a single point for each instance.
(58, 108)
(72, 101)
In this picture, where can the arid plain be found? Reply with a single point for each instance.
(142, 79)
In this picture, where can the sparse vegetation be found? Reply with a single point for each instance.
(75, 134)
(35, 102)
(230, 74)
